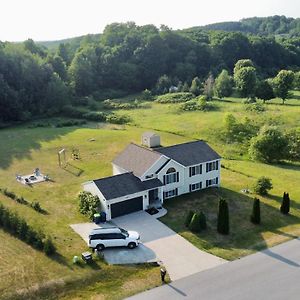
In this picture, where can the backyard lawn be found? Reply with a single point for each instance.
(25, 270)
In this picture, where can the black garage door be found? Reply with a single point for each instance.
(126, 207)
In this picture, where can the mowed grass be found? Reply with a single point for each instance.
(25, 269)
(21, 150)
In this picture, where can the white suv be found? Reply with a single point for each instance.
(101, 238)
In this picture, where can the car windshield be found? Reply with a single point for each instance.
(124, 232)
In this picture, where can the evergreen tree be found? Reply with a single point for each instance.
(255, 216)
(285, 205)
(189, 218)
(223, 217)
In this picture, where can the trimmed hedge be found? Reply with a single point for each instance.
(18, 227)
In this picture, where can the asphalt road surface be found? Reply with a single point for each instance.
(271, 274)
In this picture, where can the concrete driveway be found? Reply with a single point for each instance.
(179, 256)
(159, 243)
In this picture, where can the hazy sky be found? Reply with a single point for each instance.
(57, 19)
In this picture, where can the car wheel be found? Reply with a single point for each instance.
(131, 245)
(100, 247)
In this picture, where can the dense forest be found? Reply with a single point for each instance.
(279, 25)
(126, 58)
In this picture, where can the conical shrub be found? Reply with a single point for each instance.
(255, 216)
(223, 217)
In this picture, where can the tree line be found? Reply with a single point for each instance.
(127, 58)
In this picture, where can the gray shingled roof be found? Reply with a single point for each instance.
(191, 153)
(136, 159)
(123, 185)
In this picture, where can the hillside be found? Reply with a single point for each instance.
(274, 25)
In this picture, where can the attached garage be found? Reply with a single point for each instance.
(122, 194)
(126, 207)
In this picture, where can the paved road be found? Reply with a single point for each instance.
(271, 274)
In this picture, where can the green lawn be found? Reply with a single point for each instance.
(25, 149)
(23, 269)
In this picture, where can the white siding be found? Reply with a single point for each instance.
(201, 177)
(180, 169)
(154, 168)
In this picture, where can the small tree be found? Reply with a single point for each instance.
(264, 91)
(195, 223)
(255, 216)
(270, 145)
(263, 185)
(188, 218)
(202, 220)
(223, 217)
(208, 88)
(285, 205)
(185, 88)
(147, 95)
(223, 85)
(196, 86)
(49, 247)
(283, 82)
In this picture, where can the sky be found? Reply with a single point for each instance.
(58, 19)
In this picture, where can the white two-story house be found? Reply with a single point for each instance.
(145, 177)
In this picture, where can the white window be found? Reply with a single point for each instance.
(171, 193)
(195, 186)
(195, 170)
(211, 182)
(211, 166)
(171, 176)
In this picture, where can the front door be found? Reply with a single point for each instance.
(153, 195)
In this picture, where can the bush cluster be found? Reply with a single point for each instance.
(255, 107)
(263, 185)
(97, 116)
(174, 97)
(110, 104)
(17, 226)
(88, 204)
(72, 112)
(196, 222)
(69, 123)
(118, 119)
(35, 205)
(199, 103)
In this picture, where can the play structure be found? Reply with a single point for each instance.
(35, 177)
(64, 163)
